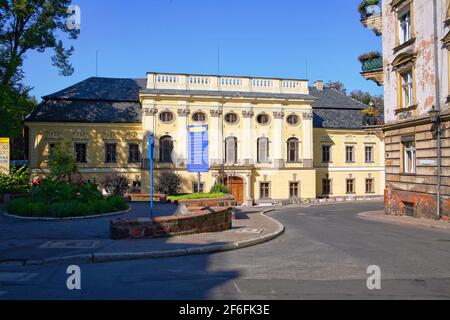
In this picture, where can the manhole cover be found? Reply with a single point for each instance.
(74, 244)
(248, 230)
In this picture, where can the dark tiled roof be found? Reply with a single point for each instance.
(229, 94)
(111, 100)
(112, 89)
(87, 111)
(335, 110)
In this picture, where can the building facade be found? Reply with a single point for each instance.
(416, 43)
(270, 140)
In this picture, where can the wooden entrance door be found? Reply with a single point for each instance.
(236, 185)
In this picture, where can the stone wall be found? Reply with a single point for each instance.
(419, 189)
(198, 221)
(226, 202)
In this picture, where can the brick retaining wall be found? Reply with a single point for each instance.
(198, 221)
(226, 202)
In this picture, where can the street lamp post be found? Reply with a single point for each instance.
(435, 117)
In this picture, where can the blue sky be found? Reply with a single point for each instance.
(256, 38)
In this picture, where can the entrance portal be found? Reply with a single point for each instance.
(236, 185)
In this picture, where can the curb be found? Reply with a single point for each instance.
(106, 215)
(111, 257)
(368, 215)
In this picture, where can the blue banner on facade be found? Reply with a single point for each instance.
(198, 159)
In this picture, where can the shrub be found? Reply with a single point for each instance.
(62, 161)
(18, 181)
(169, 183)
(28, 207)
(219, 188)
(50, 191)
(116, 184)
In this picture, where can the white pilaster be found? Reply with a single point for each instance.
(278, 142)
(247, 137)
(307, 144)
(181, 137)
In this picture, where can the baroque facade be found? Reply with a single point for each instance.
(415, 73)
(270, 140)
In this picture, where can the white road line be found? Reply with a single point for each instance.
(237, 288)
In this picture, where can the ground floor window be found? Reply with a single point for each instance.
(369, 186)
(134, 155)
(264, 189)
(409, 155)
(195, 187)
(81, 152)
(293, 190)
(326, 186)
(136, 187)
(350, 186)
(111, 153)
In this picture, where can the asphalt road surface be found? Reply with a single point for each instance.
(324, 254)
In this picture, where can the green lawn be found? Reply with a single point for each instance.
(195, 196)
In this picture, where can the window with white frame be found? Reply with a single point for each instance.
(407, 88)
(404, 25)
(409, 157)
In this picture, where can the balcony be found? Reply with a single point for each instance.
(371, 16)
(372, 67)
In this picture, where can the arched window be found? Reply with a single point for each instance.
(293, 150)
(263, 150)
(231, 145)
(165, 149)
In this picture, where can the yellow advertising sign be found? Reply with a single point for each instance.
(4, 155)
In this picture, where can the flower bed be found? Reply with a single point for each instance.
(35, 208)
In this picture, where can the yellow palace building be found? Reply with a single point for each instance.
(271, 140)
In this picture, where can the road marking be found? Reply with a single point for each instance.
(72, 244)
(250, 231)
(237, 288)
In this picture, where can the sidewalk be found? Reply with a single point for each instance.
(380, 216)
(87, 241)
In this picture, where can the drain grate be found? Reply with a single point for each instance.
(251, 231)
(73, 244)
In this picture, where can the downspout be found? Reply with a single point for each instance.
(438, 107)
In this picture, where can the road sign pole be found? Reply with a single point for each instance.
(151, 154)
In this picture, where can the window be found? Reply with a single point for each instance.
(292, 120)
(134, 155)
(263, 150)
(165, 149)
(404, 26)
(264, 189)
(199, 117)
(448, 8)
(293, 190)
(349, 154)
(369, 154)
(263, 119)
(111, 153)
(407, 89)
(81, 152)
(409, 155)
(326, 154)
(231, 145)
(195, 187)
(292, 149)
(136, 186)
(369, 186)
(166, 117)
(231, 118)
(326, 186)
(350, 186)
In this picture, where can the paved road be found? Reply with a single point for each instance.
(324, 254)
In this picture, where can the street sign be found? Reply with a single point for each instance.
(198, 159)
(4, 155)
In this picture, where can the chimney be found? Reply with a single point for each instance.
(319, 85)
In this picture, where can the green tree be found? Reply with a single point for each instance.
(62, 162)
(27, 26)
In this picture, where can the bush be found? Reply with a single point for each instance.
(27, 207)
(219, 188)
(51, 191)
(169, 183)
(116, 184)
(18, 181)
(62, 161)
